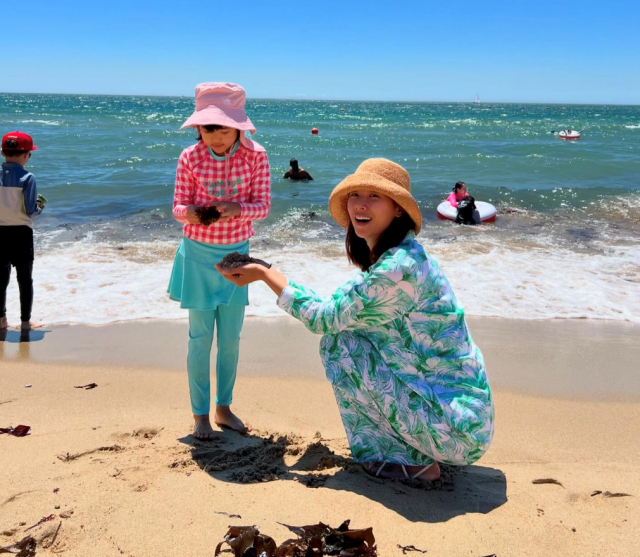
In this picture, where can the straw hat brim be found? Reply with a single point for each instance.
(370, 181)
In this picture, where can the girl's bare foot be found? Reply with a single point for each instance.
(3, 323)
(226, 418)
(29, 325)
(399, 472)
(202, 428)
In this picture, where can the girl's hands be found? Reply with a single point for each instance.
(191, 216)
(228, 210)
(244, 275)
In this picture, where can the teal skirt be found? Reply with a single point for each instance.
(196, 284)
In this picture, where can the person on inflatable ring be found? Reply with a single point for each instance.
(461, 200)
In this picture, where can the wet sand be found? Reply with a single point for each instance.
(566, 358)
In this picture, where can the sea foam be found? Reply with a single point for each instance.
(101, 283)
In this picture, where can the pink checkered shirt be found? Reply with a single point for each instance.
(202, 180)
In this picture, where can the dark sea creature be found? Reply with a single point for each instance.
(235, 260)
(207, 215)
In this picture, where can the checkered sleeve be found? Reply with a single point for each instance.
(260, 204)
(184, 193)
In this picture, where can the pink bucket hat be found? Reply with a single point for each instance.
(220, 104)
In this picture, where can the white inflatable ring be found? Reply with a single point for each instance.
(486, 210)
(564, 134)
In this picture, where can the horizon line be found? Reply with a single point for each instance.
(330, 100)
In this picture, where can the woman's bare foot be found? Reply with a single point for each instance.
(29, 325)
(396, 471)
(3, 323)
(202, 428)
(226, 418)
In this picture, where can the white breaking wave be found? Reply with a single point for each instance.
(99, 283)
(45, 122)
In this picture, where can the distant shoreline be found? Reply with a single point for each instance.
(309, 99)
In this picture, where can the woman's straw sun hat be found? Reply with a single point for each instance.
(383, 176)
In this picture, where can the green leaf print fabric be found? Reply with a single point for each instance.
(409, 381)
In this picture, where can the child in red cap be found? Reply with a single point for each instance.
(18, 204)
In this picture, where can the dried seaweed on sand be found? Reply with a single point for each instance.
(407, 548)
(18, 431)
(26, 547)
(245, 541)
(547, 481)
(318, 539)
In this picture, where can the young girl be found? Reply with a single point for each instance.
(228, 171)
(458, 193)
(464, 216)
(410, 383)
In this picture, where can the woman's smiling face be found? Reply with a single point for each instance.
(371, 213)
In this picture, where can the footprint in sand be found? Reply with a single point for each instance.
(142, 433)
(57, 536)
(147, 432)
(263, 456)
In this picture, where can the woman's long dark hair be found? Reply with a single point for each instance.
(358, 251)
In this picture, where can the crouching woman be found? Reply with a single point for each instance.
(409, 381)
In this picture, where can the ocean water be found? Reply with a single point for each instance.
(565, 243)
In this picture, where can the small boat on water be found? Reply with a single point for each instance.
(569, 134)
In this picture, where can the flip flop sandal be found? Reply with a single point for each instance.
(407, 476)
(368, 468)
(417, 475)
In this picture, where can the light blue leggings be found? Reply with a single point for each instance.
(228, 320)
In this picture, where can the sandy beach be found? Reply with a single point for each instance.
(116, 470)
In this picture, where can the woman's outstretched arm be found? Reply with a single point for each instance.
(241, 276)
(380, 296)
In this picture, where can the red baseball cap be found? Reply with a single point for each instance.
(18, 141)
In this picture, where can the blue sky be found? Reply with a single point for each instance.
(520, 51)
